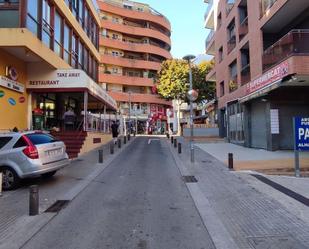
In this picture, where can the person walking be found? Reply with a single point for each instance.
(114, 128)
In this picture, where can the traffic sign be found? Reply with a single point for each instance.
(301, 133)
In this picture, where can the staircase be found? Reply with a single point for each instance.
(73, 141)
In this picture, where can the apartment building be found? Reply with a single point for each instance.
(261, 68)
(49, 59)
(134, 40)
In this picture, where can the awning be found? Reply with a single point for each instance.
(74, 80)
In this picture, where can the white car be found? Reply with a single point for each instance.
(28, 154)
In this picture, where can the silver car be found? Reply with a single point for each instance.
(28, 154)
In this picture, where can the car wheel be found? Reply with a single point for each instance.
(49, 174)
(10, 179)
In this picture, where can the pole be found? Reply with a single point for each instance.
(0, 183)
(296, 152)
(230, 161)
(191, 116)
(100, 156)
(33, 200)
(129, 112)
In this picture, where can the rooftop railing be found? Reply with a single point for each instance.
(293, 43)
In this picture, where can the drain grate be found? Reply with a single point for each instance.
(282, 242)
(57, 206)
(189, 179)
(302, 199)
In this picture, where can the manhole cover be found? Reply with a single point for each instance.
(57, 206)
(189, 179)
(275, 242)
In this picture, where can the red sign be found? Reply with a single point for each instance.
(271, 76)
(22, 99)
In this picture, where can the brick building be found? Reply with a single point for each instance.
(261, 68)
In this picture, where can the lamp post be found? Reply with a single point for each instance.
(192, 97)
(129, 111)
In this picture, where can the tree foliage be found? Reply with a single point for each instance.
(173, 80)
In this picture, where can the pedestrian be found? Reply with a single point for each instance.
(114, 128)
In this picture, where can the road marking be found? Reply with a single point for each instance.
(151, 139)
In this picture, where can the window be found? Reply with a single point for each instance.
(57, 34)
(20, 143)
(86, 54)
(32, 16)
(219, 21)
(127, 6)
(115, 70)
(220, 53)
(80, 55)
(115, 53)
(233, 85)
(66, 43)
(46, 27)
(81, 12)
(4, 141)
(74, 51)
(222, 89)
(115, 19)
(74, 8)
(40, 138)
(115, 37)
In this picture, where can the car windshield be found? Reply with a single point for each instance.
(40, 138)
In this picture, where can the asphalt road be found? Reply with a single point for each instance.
(139, 201)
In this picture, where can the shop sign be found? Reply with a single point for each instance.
(302, 133)
(70, 78)
(12, 73)
(266, 79)
(11, 84)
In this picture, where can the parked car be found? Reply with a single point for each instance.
(29, 154)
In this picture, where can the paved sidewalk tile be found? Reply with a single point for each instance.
(253, 219)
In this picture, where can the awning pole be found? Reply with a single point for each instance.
(85, 110)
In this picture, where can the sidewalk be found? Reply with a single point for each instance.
(273, 162)
(238, 210)
(16, 226)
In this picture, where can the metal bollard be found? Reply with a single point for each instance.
(175, 143)
(134, 133)
(33, 200)
(172, 139)
(0, 183)
(179, 148)
(231, 161)
(124, 140)
(112, 147)
(129, 137)
(100, 156)
(119, 143)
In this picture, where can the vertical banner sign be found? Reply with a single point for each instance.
(301, 139)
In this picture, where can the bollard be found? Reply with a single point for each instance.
(33, 200)
(179, 148)
(119, 143)
(167, 135)
(112, 147)
(0, 183)
(172, 139)
(231, 161)
(100, 156)
(124, 140)
(134, 133)
(175, 143)
(129, 137)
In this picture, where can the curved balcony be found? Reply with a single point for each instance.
(130, 63)
(125, 80)
(139, 98)
(135, 47)
(137, 31)
(151, 16)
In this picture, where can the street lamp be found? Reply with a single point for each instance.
(192, 96)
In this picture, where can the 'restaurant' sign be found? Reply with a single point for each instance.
(269, 77)
(11, 84)
(68, 78)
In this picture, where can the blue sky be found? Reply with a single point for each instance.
(187, 20)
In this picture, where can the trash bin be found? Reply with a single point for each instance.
(38, 119)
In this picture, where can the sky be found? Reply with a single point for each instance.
(187, 21)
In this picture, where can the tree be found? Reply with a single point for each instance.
(173, 80)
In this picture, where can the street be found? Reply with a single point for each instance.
(138, 201)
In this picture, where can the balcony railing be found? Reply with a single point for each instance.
(209, 38)
(243, 28)
(210, 4)
(231, 44)
(265, 5)
(245, 74)
(293, 43)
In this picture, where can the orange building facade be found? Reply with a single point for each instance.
(134, 40)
